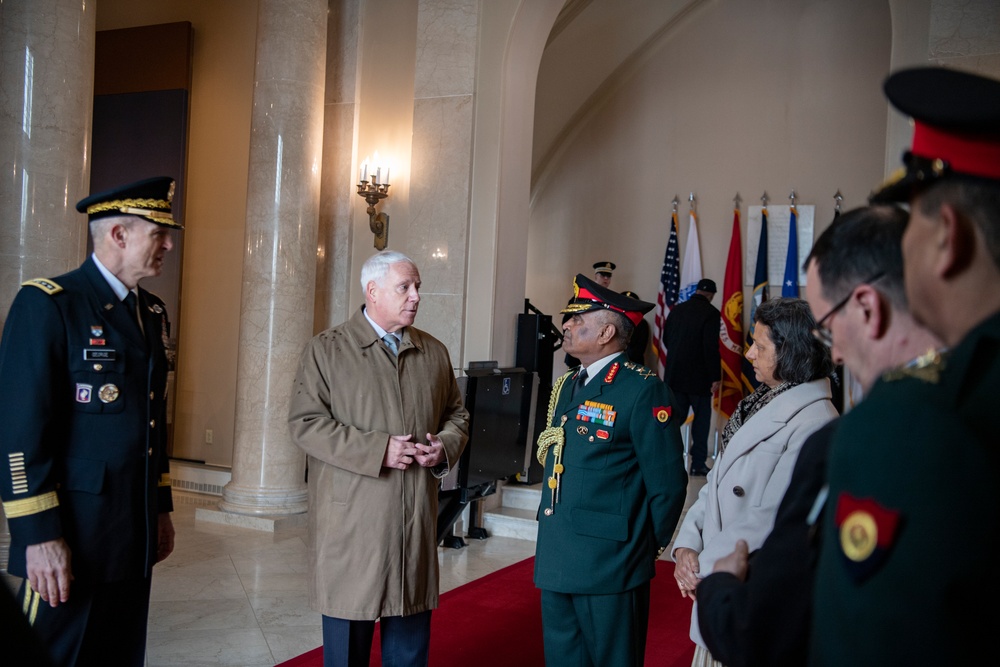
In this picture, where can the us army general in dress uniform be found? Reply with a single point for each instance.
(907, 572)
(616, 485)
(84, 473)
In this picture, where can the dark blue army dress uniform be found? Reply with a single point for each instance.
(83, 401)
(614, 458)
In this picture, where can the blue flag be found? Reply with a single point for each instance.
(790, 284)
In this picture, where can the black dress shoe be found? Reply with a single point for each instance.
(699, 472)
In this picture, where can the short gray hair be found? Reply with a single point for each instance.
(377, 266)
(101, 227)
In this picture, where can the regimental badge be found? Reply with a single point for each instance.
(662, 413)
(84, 392)
(97, 331)
(156, 308)
(108, 393)
(582, 430)
(867, 532)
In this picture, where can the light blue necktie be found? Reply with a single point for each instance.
(390, 342)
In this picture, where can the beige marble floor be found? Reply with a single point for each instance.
(236, 596)
(233, 596)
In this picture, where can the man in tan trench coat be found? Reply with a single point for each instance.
(376, 408)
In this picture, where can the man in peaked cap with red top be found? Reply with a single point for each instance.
(83, 463)
(616, 485)
(907, 571)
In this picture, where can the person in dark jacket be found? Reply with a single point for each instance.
(907, 568)
(755, 609)
(639, 342)
(694, 368)
(85, 477)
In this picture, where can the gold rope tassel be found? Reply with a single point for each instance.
(554, 438)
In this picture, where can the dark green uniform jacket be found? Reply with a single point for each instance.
(623, 487)
(83, 408)
(908, 570)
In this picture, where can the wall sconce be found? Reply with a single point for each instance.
(374, 191)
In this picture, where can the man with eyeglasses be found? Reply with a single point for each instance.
(757, 612)
(907, 572)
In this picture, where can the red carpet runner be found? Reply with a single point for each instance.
(496, 621)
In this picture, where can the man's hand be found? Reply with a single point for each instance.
(735, 563)
(49, 572)
(432, 453)
(686, 571)
(165, 538)
(400, 452)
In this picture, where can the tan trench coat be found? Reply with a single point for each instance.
(372, 531)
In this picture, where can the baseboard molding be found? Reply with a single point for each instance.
(199, 478)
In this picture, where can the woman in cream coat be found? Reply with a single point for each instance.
(759, 446)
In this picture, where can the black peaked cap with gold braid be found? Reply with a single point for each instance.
(150, 199)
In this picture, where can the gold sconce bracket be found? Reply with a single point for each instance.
(373, 193)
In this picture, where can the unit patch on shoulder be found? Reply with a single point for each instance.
(44, 284)
(867, 531)
(662, 413)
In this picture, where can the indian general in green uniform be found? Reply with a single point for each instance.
(907, 572)
(616, 486)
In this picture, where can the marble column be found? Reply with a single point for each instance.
(46, 105)
(279, 265)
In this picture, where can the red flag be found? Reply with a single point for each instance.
(731, 327)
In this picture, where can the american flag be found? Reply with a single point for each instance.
(666, 298)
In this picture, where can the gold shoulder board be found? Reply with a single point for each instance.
(44, 284)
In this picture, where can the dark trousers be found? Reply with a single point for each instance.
(702, 406)
(595, 630)
(100, 624)
(405, 641)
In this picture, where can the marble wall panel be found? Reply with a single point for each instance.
(964, 28)
(441, 315)
(338, 199)
(343, 26)
(439, 191)
(447, 33)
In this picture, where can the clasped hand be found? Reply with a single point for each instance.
(403, 451)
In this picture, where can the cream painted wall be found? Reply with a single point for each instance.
(738, 97)
(215, 215)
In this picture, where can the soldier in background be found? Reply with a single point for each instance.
(85, 480)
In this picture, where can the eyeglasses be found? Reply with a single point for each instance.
(821, 332)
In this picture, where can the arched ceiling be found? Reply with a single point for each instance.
(593, 45)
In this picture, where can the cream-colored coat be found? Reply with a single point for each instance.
(745, 486)
(372, 530)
